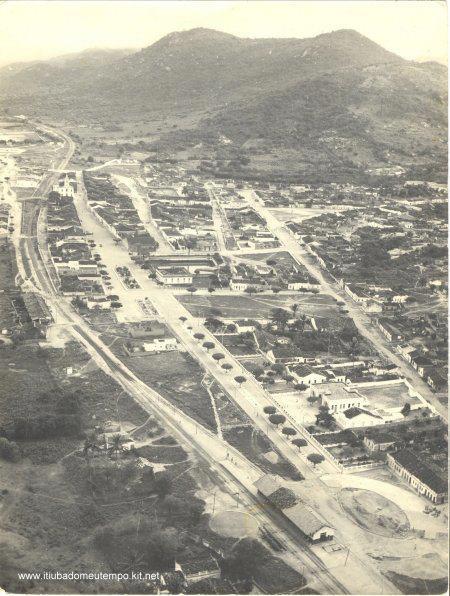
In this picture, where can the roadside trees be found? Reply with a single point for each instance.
(199, 336)
(209, 345)
(218, 356)
(240, 380)
(227, 366)
(288, 431)
(269, 410)
(315, 458)
(300, 443)
(277, 419)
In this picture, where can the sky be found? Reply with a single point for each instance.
(38, 30)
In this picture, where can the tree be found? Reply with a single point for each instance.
(315, 458)
(312, 399)
(191, 289)
(294, 308)
(406, 409)
(280, 317)
(303, 387)
(209, 345)
(269, 410)
(288, 431)
(227, 366)
(199, 336)
(250, 290)
(9, 450)
(324, 417)
(240, 379)
(163, 485)
(246, 556)
(218, 356)
(300, 443)
(277, 419)
(183, 319)
(116, 444)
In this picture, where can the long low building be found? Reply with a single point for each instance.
(301, 516)
(419, 475)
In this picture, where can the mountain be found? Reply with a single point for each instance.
(334, 102)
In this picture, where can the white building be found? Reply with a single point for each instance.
(161, 344)
(338, 397)
(174, 276)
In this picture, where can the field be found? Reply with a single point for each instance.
(259, 306)
(235, 524)
(389, 396)
(177, 377)
(256, 447)
(374, 513)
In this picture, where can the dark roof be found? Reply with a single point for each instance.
(305, 519)
(422, 361)
(353, 412)
(199, 565)
(381, 438)
(436, 377)
(421, 470)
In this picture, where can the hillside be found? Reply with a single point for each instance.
(337, 101)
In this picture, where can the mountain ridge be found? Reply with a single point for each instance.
(338, 97)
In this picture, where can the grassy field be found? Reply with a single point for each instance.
(177, 377)
(255, 446)
(260, 305)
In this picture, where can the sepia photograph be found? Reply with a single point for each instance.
(224, 297)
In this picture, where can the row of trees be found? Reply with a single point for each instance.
(277, 419)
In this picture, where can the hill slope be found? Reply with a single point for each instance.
(336, 100)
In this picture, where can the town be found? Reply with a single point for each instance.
(261, 365)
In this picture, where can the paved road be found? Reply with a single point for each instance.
(361, 320)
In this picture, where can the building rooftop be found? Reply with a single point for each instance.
(337, 391)
(420, 469)
(173, 271)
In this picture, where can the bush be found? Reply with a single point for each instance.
(9, 450)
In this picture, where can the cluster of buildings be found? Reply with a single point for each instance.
(408, 269)
(79, 273)
(200, 271)
(184, 217)
(117, 213)
(249, 228)
(260, 276)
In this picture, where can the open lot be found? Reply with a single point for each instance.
(177, 377)
(259, 306)
(389, 396)
(374, 512)
(236, 524)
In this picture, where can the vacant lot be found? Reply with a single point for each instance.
(256, 447)
(389, 396)
(260, 305)
(177, 377)
(235, 524)
(374, 513)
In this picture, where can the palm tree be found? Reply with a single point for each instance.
(116, 444)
